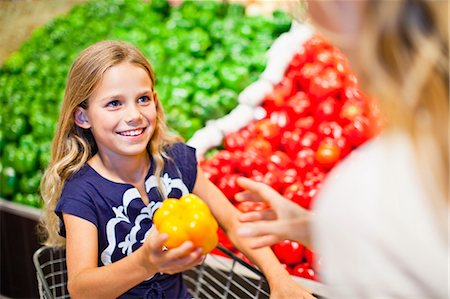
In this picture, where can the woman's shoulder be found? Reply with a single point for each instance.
(367, 205)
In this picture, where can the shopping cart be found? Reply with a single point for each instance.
(51, 272)
(225, 276)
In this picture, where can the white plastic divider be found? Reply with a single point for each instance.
(279, 56)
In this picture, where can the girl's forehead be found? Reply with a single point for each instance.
(126, 72)
(123, 78)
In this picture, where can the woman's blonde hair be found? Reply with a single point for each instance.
(402, 61)
(73, 146)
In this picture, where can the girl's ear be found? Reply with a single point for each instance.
(155, 97)
(81, 119)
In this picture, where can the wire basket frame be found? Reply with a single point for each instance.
(51, 272)
(216, 277)
(226, 277)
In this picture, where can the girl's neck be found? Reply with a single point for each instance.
(130, 170)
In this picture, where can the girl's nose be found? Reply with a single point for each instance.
(133, 113)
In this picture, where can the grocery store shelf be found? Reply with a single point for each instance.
(20, 210)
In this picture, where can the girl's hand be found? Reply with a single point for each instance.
(284, 220)
(170, 261)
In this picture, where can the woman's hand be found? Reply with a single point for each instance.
(283, 220)
(170, 261)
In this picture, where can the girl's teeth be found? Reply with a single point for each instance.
(131, 133)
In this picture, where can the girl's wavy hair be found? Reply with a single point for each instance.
(403, 61)
(73, 146)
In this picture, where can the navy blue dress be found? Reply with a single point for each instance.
(122, 218)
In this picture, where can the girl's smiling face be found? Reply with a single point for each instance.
(121, 113)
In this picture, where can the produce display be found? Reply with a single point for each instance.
(187, 218)
(203, 52)
(311, 120)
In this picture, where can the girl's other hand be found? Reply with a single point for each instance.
(170, 261)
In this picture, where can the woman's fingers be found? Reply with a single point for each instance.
(257, 216)
(247, 196)
(258, 229)
(257, 191)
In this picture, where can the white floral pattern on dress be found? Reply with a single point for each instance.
(121, 213)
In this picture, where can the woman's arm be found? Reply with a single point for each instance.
(87, 280)
(280, 282)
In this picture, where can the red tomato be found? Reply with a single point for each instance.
(343, 145)
(279, 161)
(281, 118)
(288, 177)
(327, 154)
(305, 271)
(305, 123)
(278, 96)
(329, 129)
(296, 193)
(351, 110)
(227, 184)
(308, 72)
(268, 130)
(316, 43)
(273, 179)
(309, 256)
(250, 206)
(327, 110)
(314, 175)
(298, 60)
(288, 252)
(287, 86)
(326, 84)
(326, 57)
(309, 140)
(352, 92)
(259, 145)
(305, 160)
(234, 141)
(290, 142)
(253, 160)
(358, 131)
(299, 105)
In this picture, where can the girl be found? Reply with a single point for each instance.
(387, 207)
(113, 162)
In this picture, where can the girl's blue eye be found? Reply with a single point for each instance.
(144, 99)
(113, 104)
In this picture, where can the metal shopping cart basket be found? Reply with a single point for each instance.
(225, 276)
(51, 272)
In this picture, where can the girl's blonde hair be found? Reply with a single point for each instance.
(73, 146)
(402, 60)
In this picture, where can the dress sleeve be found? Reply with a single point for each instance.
(78, 204)
(186, 162)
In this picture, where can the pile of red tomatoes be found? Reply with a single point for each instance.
(313, 119)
